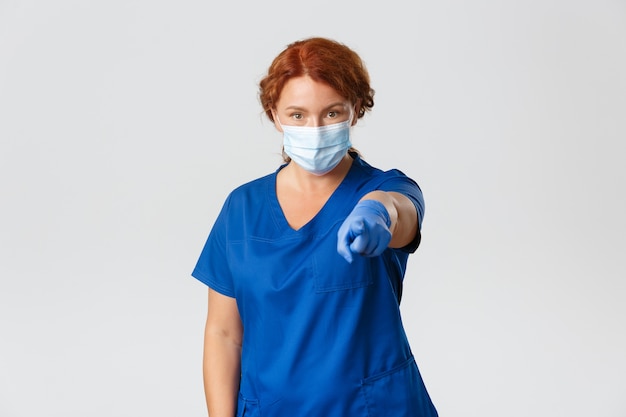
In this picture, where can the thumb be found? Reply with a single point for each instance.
(347, 234)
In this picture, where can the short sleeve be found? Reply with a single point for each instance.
(212, 267)
(398, 182)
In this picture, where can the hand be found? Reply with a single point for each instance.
(365, 231)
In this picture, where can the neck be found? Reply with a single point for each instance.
(307, 182)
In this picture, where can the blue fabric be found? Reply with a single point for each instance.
(322, 337)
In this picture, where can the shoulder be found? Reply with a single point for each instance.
(249, 199)
(391, 180)
(253, 188)
(381, 177)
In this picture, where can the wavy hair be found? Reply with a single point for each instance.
(324, 60)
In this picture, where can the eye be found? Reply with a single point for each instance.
(332, 114)
(296, 116)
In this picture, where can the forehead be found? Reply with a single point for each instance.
(304, 92)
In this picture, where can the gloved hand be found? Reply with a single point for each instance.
(365, 231)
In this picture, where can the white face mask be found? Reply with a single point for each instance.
(317, 149)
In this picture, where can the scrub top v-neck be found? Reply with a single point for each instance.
(322, 337)
(326, 211)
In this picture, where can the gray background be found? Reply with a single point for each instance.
(124, 124)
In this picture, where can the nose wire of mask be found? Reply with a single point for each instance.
(317, 149)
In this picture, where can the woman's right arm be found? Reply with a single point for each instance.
(222, 355)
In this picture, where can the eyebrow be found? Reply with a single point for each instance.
(294, 107)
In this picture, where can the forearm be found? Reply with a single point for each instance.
(221, 371)
(402, 213)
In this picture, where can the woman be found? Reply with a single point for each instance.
(305, 265)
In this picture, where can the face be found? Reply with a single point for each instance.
(304, 102)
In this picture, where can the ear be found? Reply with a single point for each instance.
(276, 124)
(357, 109)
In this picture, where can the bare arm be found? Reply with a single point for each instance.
(222, 355)
(403, 215)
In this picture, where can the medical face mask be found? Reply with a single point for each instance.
(317, 149)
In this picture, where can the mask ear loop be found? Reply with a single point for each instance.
(275, 117)
(351, 118)
(352, 114)
(285, 157)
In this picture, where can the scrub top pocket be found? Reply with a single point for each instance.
(333, 273)
(399, 392)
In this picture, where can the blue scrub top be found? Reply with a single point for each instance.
(322, 337)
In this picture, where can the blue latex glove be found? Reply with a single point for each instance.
(365, 231)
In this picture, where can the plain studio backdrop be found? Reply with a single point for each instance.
(124, 125)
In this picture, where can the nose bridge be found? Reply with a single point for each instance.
(314, 121)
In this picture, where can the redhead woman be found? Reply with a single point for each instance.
(304, 266)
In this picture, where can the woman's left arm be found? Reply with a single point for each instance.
(380, 220)
(402, 213)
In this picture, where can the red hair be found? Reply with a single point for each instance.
(324, 60)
